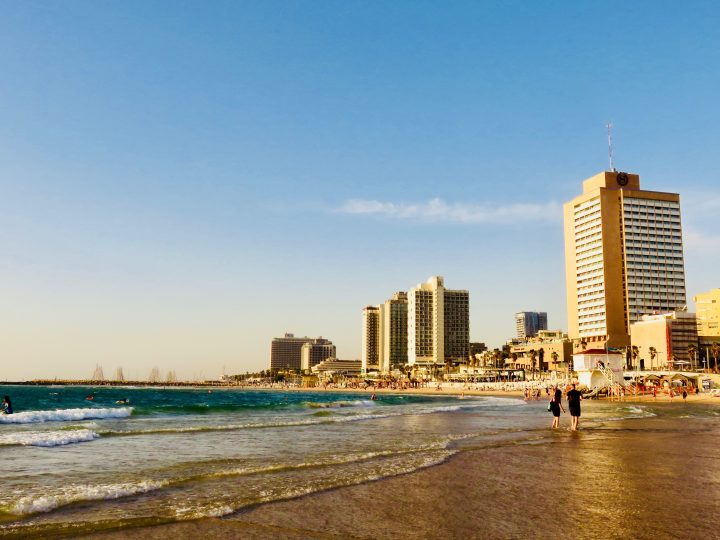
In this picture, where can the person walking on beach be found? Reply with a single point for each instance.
(555, 406)
(7, 405)
(574, 396)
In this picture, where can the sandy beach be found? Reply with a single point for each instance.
(457, 390)
(640, 478)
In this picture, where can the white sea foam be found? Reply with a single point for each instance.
(338, 404)
(63, 415)
(639, 412)
(331, 460)
(492, 401)
(387, 412)
(189, 512)
(48, 438)
(273, 493)
(635, 412)
(32, 504)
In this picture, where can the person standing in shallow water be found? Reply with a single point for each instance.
(7, 405)
(574, 397)
(555, 406)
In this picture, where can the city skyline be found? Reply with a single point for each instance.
(179, 188)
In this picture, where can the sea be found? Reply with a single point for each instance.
(144, 456)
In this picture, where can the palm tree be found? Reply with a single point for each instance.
(653, 353)
(692, 352)
(541, 359)
(554, 355)
(532, 353)
(514, 358)
(634, 353)
(715, 352)
(497, 357)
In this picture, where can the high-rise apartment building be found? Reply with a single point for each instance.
(286, 352)
(623, 257)
(438, 323)
(384, 346)
(315, 351)
(529, 323)
(394, 334)
(371, 337)
(456, 307)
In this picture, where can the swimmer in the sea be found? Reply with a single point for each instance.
(6, 407)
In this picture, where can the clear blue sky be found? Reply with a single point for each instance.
(182, 181)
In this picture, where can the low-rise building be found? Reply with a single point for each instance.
(663, 340)
(551, 348)
(707, 309)
(334, 366)
(598, 368)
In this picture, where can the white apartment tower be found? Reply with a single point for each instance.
(438, 323)
(384, 345)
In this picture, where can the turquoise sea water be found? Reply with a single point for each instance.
(70, 465)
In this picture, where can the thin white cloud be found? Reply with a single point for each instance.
(437, 210)
(699, 201)
(697, 241)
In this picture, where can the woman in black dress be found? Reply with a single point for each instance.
(555, 407)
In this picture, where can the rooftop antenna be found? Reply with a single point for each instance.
(609, 127)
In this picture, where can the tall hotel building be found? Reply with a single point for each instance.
(371, 339)
(384, 346)
(287, 352)
(623, 258)
(529, 323)
(438, 324)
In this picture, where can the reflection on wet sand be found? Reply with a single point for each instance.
(641, 478)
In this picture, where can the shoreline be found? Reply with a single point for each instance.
(561, 484)
(663, 397)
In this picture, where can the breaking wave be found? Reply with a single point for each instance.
(80, 493)
(338, 404)
(48, 438)
(64, 415)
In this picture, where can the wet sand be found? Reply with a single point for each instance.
(641, 478)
